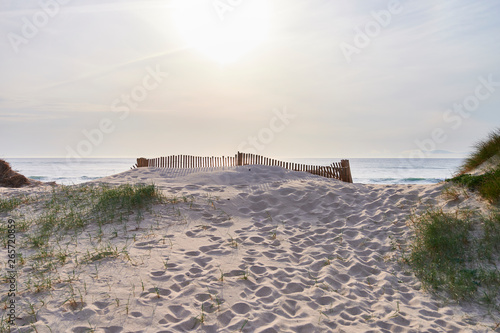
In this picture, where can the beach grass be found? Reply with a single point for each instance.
(484, 150)
(50, 228)
(7, 205)
(71, 208)
(68, 210)
(457, 253)
(487, 184)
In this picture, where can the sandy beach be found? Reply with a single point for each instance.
(250, 249)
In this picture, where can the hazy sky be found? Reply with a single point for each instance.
(284, 78)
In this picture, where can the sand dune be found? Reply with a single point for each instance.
(257, 249)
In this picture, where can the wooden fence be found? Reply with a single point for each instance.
(340, 170)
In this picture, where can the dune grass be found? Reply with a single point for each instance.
(69, 209)
(6, 205)
(457, 254)
(50, 227)
(488, 183)
(484, 150)
(72, 208)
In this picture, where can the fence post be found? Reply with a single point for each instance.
(346, 168)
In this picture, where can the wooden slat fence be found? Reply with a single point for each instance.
(338, 170)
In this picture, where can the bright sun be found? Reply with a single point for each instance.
(224, 30)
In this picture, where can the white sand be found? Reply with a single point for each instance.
(329, 268)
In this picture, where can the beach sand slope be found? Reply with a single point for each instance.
(255, 249)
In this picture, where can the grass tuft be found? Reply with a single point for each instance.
(450, 253)
(487, 184)
(127, 196)
(73, 208)
(484, 150)
(6, 205)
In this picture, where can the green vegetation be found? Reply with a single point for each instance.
(73, 208)
(454, 254)
(6, 205)
(126, 197)
(68, 210)
(484, 150)
(487, 184)
(457, 253)
(51, 226)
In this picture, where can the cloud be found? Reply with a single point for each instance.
(392, 93)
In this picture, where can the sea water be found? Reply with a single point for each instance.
(396, 170)
(364, 170)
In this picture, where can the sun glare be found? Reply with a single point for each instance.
(224, 30)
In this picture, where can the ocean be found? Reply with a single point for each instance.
(364, 170)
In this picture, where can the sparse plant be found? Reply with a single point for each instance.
(221, 277)
(32, 311)
(274, 233)
(128, 305)
(200, 319)
(340, 237)
(451, 193)
(244, 324)
(321, 313)
(447, 256)
(396, 313)
(327, 261)
(245, 275)
(233, 242)
(218, 302)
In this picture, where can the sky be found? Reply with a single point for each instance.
(282, 78)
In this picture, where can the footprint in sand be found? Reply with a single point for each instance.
(209, 248)
(292, 288)
(257, 239)
(101, 305)
(154, 292)
(263, 292)
(195, 272)
(112, 329)
(225, 317)
(146, 245)
(136, 314)
(159, 276)
(203, 262)
(178, 311)
(241, 308)
(259, 206)
(259, 270)
(244, 210)
(290, 306)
